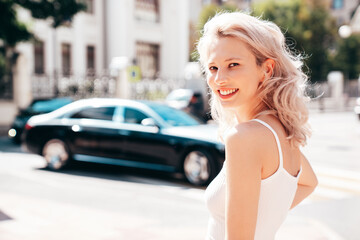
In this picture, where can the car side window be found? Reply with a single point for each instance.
(100, 113)
(133, 116)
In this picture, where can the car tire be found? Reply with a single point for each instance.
(56, 154)
(199, 167)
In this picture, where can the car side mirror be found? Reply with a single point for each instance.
(150, 122)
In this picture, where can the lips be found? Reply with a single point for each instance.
(226, 93)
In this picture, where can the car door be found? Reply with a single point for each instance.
(94, 133)
(145, 143)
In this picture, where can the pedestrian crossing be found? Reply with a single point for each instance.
(335, 184)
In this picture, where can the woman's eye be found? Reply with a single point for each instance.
(212, 68)
(233, 64)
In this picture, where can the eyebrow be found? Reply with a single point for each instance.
(230, 59)
(234, 58)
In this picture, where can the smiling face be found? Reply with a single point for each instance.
(233, 74)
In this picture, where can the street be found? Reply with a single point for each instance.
(89, 201)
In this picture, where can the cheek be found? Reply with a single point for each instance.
(210, 82)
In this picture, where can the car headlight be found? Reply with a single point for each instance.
(12, 133)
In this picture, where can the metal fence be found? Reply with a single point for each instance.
(84, 86)
(103, 85)
(155, 89)
(324, 89)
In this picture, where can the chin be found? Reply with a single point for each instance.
(229, 105)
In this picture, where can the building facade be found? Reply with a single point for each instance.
(152, 34)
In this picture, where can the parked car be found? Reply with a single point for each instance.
(189, 101)
(37, 106)
(357, 107)
(130, 133)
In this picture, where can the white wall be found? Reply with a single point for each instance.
(171, 33)
(175, 39)
(118, 25)
(86, 29)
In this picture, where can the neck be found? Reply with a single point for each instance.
(246, 113)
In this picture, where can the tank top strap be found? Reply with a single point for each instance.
(276, 138)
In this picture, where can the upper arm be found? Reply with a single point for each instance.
(307, 176)
(243, 179)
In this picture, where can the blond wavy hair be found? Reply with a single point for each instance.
(284, 93)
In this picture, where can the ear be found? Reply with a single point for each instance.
(268, 68)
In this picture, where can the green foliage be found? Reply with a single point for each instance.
(308, 28)
(347, 56)
(2, 63)
(208, 12)
(11, 30)
(60, 11)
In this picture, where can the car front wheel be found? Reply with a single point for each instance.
(199, 168)
(56, 154)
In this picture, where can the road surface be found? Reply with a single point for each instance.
(99, 202)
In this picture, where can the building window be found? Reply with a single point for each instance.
(90, 60)
(39, 57)
(66, 59)
(337, 4)
(147, 56)
(147, 10)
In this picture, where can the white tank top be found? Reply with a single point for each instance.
(276, 196)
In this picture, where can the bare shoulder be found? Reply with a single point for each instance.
(248, 133)
(246, 141)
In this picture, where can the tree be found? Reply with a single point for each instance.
(12, 31)
(208, 12)
(60, 12)
(308, 28)
(347, 56)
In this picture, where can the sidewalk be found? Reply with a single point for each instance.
(41, 219)
(298, 228)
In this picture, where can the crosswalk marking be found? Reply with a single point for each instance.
(336, 172)
(335, 184)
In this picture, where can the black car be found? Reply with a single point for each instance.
(131, 133)
(37, 106)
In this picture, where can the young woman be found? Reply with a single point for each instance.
(257, 98)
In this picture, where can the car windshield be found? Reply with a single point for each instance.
(173, 116)
(49, 105)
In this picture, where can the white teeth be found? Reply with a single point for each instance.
(227, 92)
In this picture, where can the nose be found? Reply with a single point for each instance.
(220, 78)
